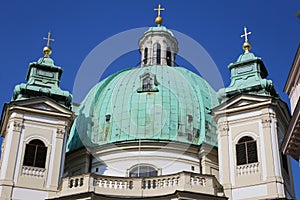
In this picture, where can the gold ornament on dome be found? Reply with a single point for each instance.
(158, 19)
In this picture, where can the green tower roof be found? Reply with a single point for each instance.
(148, 103)
(248, 75)
(43, 78)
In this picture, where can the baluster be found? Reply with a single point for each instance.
(158, 183)
(120, 184)
(130, 185)
(176, 181)
(71, 183)
(105, 183)
(154, 184)
(81, 182)
(143, 184)
(124, 185)
(113, 184)
(102, 183)
(149, 184)
(161, 183)
(169, 182)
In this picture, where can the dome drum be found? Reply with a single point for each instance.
(158, 46)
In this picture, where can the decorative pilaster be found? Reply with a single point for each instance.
(224, 163)
(9, 156)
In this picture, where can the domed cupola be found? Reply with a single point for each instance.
(158, 46)
(154, 102)
(152, 117)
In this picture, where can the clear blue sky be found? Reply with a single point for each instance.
(79, 26)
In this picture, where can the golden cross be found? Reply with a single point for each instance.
(48, 39)
(246, 34)
(159, 9)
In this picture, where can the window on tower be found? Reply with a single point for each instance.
(246, 151)
(35, 154)
(145, 56)
(156, 53)
(168, 57)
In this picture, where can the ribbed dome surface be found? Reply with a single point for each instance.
(173, 106)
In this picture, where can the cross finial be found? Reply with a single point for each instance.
(246, 34)
(158, 10)
(48, 39)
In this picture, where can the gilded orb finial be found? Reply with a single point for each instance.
(158, 19)
(246, 45)
(47, 50)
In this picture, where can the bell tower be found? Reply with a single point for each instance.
(34, 127)
(252, 121)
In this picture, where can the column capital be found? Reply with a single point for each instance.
(17, 125)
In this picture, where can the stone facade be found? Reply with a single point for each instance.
(24, 121)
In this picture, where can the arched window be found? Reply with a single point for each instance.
(35, 154)
(156, 53)
(147, 84)
(169, 57)
(143, 171)
(145, 55)
(246, 151)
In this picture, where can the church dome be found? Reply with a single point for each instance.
(148, 103)
(156, 101)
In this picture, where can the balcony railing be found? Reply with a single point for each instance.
(247, 169)
(33, 171)
(138, 187)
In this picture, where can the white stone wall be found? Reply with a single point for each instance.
(118, 164)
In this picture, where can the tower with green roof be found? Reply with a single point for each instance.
(43, 79)
(34, 127)
(252, 121)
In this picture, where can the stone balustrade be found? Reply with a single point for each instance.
(33, 171)
(140, 187)
(247, 169)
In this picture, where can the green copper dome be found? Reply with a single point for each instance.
(148, 103)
